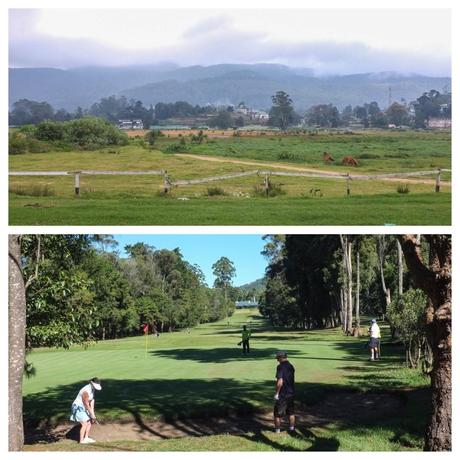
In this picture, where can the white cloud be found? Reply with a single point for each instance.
(343, 41)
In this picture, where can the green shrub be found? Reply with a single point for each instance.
(36, 146)
(17, 143)
(403, 189)
(51, 131)
(215, 191)
(152, 136)
(91, 133)
(286, 156)
(176, 147)
(273, 190)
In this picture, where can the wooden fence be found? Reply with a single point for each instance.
(168, 183)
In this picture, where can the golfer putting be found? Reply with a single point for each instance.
(284, 395)
(83, 410)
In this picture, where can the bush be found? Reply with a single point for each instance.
(152, 136)
(17, 143)
(91, 133)
(273, 190)
(215, 191)
(286, 156)
(176, 147)
(51, 131)
(404, 189)
(36, 146)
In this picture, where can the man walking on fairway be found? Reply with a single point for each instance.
(284, 396)
(374, 341)
(83, 409)
(245, 336)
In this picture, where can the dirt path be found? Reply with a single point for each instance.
(300, 168)
(338, 407)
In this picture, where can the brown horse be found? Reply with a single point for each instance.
(327, 158)
(350, 161)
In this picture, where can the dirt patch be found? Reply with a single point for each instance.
(303, 169)
(342, 407)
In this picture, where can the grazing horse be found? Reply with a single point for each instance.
(327, 158)
(350, 161)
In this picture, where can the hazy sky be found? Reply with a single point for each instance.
(204, 250)
(329, 41)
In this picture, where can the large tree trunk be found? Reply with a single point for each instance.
(347, 283)
(350, 291)
(16, 344)
(381, 254)
(400, 269)
(357, 331)
(436, 281)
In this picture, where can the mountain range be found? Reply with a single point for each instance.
(217, 84)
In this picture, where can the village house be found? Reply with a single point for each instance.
(130, 124)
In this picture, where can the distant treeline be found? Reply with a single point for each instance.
(414, 114)
(79, 289)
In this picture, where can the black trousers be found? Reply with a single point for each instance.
(245, 346)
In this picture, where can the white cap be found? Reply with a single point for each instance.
(97, 386)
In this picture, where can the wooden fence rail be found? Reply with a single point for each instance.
(168, 183)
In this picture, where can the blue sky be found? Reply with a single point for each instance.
(204, 250)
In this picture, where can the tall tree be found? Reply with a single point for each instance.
(16, 343)
(435, 279)
(224, 271)
(282, 112)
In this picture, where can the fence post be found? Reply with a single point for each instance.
(438, 181)
(348, 183)
(166, 182)
(77, 183)
(266, 185)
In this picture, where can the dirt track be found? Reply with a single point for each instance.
(338, 407)
(301, 168)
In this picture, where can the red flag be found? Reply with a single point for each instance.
(145, 328)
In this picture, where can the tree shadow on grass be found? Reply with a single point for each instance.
(189, 406)
(218, 355)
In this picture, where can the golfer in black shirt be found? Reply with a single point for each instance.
(284, 396)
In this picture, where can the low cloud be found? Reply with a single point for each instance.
(216, 40)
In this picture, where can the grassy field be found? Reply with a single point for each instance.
(137, 200)
(204, 374)
(376, 151)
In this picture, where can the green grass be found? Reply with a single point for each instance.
(204, 374)
(376, 151)
(397, 209)
(135, 200)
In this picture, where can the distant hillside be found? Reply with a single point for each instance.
(218, 84)
(258, 285)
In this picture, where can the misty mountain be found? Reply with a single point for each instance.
(218, 84)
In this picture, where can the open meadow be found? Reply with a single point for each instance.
(195, 390)
(293, 200)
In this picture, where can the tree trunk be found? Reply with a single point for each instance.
(347, 283)
(400, 269)
(16, 344)
(350, 291)
(436, 281)
(381, 254)
(358, 287)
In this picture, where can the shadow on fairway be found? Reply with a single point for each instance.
(218, 355)
(188, 404)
